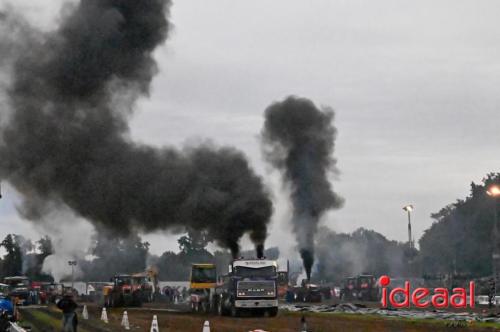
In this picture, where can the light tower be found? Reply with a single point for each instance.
(409, 209)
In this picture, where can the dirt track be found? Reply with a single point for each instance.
(48, 319)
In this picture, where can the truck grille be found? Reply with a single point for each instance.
(256, 289)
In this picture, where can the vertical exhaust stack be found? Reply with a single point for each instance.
(298, 139)
(259, 248)
(65, 139)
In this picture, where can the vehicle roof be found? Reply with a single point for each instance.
(16, 278)
(140, 275)
(254, 263)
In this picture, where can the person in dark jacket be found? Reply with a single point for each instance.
(68, 306)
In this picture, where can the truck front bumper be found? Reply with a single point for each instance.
(256, 303)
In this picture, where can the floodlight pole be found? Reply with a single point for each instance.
(494, 192)
(72, 264)
(408, 209)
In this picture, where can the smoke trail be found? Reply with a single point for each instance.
(65, 137)
(299, 140)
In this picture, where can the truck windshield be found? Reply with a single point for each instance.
(203, 275)
(248, 272)
(140, 280)
(124, 281)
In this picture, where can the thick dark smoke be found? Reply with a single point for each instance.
(299, 141)
(65, 136)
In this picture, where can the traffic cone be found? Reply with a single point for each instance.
(85, 313)
(104, 316)
(206, 326)
(304, 324)
(125, 322)
(154, 325)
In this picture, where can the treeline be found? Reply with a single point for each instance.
(177, 266)
(109, 255)
(340, 255)
(23, 257)
(460, 240)
(459, 243)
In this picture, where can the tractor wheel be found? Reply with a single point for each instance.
(205, 307)
(273, 312)
(235, 312)
(220, 307)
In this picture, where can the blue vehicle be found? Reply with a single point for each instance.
(6, 314)
(7, 307)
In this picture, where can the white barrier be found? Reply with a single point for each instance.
(16, 328)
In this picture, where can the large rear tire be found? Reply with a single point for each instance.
(205, 307)
(220, 307)
(235, 312)
(273, 312)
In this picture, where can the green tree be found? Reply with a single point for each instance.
(114, 255)
(459, 242)
(33, 261)
(341, 255)
(12, 263)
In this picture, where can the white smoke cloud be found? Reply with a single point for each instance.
(71, 238)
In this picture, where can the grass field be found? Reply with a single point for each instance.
(48, 319)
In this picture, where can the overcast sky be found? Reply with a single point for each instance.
(415, 85)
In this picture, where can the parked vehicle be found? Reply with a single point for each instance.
(308, 293)
(20, 289)
(362, 287)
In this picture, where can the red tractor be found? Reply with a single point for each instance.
(128, 290)
(123, 292)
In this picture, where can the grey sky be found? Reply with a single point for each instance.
(415, 85)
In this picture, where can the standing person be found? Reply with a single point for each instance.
(184, 293)
(68, 306)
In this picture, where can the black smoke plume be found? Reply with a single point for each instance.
(65, 140)
(299, 140)
(260, 250)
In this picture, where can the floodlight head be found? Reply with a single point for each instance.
(408, 208)
(493, 191)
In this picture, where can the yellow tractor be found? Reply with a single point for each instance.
(202, 284)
